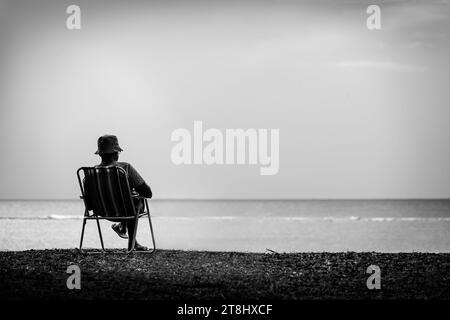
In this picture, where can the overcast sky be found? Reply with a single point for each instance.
(361, 114)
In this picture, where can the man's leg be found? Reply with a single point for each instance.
(131, 227)
(139, 205)
(121, 229)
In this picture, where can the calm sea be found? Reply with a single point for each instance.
(243, 225)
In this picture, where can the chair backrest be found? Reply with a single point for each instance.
(106, 191)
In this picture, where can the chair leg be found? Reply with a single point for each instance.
(82, 233)
(100, 234)
(150, 225)
(151, 231)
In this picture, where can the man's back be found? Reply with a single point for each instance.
(134, 178)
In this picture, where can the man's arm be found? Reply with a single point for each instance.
(138, 183)
(144, 190)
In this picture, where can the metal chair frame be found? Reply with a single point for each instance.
(94, 216)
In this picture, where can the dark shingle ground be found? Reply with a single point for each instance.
(223, 275)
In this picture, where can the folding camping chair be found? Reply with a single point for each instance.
(107, 195)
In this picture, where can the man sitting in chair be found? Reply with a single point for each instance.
(108, 150)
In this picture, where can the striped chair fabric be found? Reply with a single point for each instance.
(107, 192)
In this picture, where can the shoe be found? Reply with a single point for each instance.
(120, 233)
(140, 247)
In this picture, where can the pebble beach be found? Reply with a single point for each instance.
(203, 275)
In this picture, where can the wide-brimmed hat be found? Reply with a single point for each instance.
(108, 144)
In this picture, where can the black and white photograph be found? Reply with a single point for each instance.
(224, 159)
